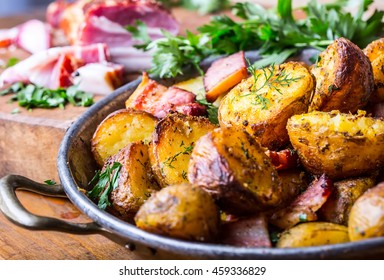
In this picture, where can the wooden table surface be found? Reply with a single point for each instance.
(29, 143)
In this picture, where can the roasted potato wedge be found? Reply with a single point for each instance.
(344, 78)
(339, 145)
(136, 181)
(313, 234)
(374, 49)
(262, 107)
(172, 145)
(118, 130)
(181, 211)
(366, 219)
(235, 170)
(346, 192)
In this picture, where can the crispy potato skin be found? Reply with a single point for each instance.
(136, 181)
(181, 211)
(344, 78)
(346, 192)
(287, 89)
(235, 170)
(173, 141)
(366, 219)
(118, 130)
(375, 52)
(339, 145)
(313, 234)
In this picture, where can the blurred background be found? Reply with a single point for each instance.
(13, 7)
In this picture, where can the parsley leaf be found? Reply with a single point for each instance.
(33, 96)
(202, 6)
(212, 110)
(105, 182)
(50, 182)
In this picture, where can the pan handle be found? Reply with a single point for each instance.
(16, 212)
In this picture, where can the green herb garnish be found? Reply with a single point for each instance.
(274, 32)
(303, 217)
(202, 6)
(212, 110)
(170, 160)
(33, 96)
(50, 182)
(12, 61)
(104, 182)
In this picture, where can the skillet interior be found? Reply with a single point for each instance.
(76, 167)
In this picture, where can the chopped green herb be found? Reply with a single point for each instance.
(15, 111)
(12, 61)
(169, 161)
(202, 6)
(212, 110)
(104, 182)
(33, 96)
(184, 175)
(50, 182)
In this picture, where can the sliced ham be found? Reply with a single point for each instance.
(99, 78)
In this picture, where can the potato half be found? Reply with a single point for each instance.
(235, 170)
(262, 107)
(366, 219)
(344, 78)
(118, 130)
(339, 145)
(173, 141)
(181, 211)
(313, 234)
(136, 181)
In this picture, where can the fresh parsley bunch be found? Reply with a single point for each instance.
(276, 33)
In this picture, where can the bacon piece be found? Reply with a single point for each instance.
(8, 36)
(34, 36)
(55, 11)
(284, 159)
(223, 74)
(304, 207)
(99, 78)
(158, 100)
(79, 20)
(61, 76)
(38, 67)
(250, 232)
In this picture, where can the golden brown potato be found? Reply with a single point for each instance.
(344, 78)
(374, 49)
(378, 74)
(118, 130)
(313, 234)
(263, 107)
(181, 211)
(195, 85)
(235, 170)
(172, 145)
(136, 181)
(366, 219)
(346, 192)
(339, 145)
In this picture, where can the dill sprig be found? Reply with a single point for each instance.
(275, 80)
(170, 160)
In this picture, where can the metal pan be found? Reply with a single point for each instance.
(76, 167)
